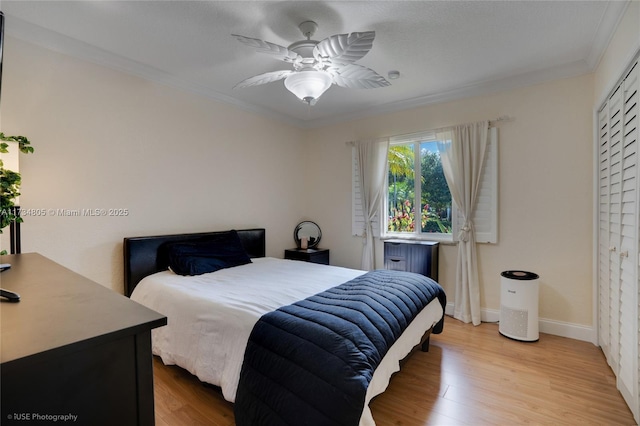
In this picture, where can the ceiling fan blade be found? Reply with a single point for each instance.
(344, 48)
(265, 78)
(262, 46)
(355, 76)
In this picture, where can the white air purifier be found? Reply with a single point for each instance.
(519, 305)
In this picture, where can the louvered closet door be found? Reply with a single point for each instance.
(615, 198)
(618, 235)
(604, 328)
(628, 253)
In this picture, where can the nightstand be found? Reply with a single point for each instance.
(412, 256)
(308, 255)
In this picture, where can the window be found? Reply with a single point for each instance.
(418, 201)
(438, 216)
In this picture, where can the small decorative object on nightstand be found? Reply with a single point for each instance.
(307, 236)
(308, 255)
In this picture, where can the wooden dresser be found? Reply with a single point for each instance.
(412, 256)
(72, 347)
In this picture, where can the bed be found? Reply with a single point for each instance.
(216, 321)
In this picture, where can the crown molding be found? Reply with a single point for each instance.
(531, 78)
(20, 29)
(606, 29)
(54, 41)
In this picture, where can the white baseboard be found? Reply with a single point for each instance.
(557, 328)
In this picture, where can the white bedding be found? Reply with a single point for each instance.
(210, 316)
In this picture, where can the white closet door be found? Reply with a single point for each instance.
(604, 328)
(615, 202)
(618, 235)
(628, 253)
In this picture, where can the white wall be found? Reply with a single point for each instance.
(176, 161)
(545, 212)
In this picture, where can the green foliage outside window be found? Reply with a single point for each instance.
(435, 201)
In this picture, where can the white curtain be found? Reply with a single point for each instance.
(462, 152)
(373, 166)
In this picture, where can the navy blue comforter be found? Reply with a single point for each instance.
(310, 363)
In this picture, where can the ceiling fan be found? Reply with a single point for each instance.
(318, 64)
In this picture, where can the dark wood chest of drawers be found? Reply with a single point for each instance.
(73, 347)
(412, 256)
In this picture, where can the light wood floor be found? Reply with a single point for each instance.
(470, 376)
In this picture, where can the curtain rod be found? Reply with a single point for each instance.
(502, 118)
(492, 123)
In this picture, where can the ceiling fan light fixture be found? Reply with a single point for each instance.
(317, 64)
(308, 85)
(303, 48)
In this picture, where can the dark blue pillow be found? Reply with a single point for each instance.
(216, 252)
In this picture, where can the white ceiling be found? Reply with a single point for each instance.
(443, 49)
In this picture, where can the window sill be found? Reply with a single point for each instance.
(448, 239)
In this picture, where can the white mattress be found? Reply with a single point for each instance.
(210, 316)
